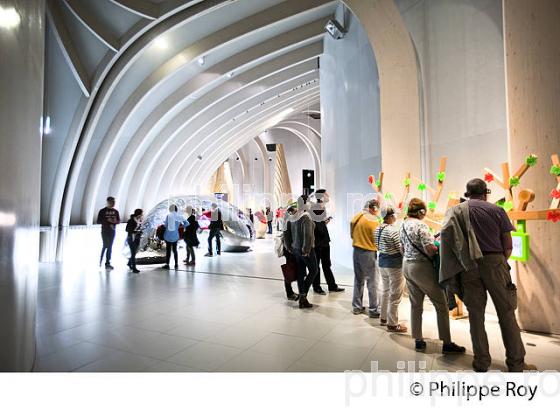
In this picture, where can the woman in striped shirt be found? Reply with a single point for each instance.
(390, 266)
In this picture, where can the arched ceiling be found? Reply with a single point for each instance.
(171, 88)
(167, 83)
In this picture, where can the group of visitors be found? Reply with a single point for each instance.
(176, 226)
(306, 243)
(468, 259)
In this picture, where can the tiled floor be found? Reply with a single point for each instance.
(195, 320)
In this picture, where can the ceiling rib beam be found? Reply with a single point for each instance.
(67, 47)
(98, 29)
(142, 8)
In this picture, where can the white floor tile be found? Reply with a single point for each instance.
(205, 356)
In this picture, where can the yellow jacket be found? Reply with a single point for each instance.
(362, 230)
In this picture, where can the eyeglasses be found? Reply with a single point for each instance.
(488, 191)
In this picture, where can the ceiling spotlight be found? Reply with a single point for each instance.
(230, 74)
(201, 60)
(334, 28)
(9, 18)
(199, 157)
(161, 43)
(237, 159)
(256, 159)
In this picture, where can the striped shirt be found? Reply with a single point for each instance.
(389, 245)
(387, 239)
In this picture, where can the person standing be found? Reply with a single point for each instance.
(421, 277)
(362, 230)
(171, 235)
(390, 267)
(300, 239)
(492, 229)
(269, 218)
(190, 235)
(109, 218)
(134, 233)
(290, 258)
(322, 245)
(215, 228)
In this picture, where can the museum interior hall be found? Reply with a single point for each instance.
(220, 155)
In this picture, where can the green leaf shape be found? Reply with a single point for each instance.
(514, 181)
(531, 160)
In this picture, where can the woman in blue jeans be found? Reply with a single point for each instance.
(171, 235)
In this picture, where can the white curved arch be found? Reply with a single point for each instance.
(104, 153)
(240, 137)
(195, 123)
(164, 121)
(75, 147)
(226, 142)
(311, 147)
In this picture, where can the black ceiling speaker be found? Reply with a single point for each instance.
(271, 147)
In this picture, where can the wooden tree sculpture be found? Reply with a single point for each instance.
(516, 207)
(377, 185)
(433, 218)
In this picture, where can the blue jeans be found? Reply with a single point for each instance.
(365, 272)
(304, 263)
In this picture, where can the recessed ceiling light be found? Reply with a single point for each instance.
(230, 74)
(161, 43)
(9, 18)
(201, 61)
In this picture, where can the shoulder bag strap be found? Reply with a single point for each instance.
(414, 245)
(379, 235)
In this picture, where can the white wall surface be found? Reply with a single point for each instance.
(350, 126)
(460, 48)
(21, 100)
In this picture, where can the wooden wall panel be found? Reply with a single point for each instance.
(532, 45)
(398, 85)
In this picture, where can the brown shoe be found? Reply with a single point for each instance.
(529, 368)
(397, 329)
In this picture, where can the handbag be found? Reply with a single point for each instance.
(289, 270)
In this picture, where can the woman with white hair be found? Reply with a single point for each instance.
(171, 235)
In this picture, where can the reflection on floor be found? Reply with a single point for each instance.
(211, 318)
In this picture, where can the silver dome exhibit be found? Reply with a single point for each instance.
(237, 236)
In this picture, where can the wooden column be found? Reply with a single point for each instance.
(531, 33)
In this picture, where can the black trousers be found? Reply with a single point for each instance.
(214, 233)
(133, 245)
(108, 237)
(190, 253)
(323, 255)
(168, 247)
(307, 270)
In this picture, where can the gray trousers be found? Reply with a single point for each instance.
(365, 272)
(391, 294)
(493, 277)
(421, 281)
